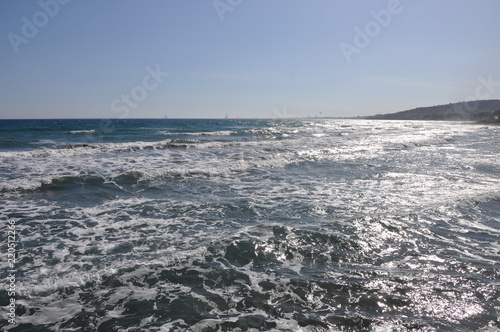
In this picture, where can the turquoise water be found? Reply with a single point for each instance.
(244, 225)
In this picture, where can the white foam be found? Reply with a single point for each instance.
(212, 133)
(390, 173)
(53, 310)
(77, 132)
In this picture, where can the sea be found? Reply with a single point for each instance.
(249, 225)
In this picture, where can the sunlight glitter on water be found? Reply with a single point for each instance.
(292, 226)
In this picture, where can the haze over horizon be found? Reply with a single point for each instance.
(247, 59)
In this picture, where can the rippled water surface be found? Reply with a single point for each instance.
(252, 225)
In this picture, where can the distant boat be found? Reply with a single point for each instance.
(226, 117)
(166, 117)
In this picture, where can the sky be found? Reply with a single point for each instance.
(243, 58)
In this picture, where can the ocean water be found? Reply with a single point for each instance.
(251, 225)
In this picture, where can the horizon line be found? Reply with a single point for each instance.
(219, 118)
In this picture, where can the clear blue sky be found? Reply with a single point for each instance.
(246, 58)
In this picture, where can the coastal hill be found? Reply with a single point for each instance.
(478, 110)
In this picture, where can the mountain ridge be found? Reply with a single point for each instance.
(477, 110)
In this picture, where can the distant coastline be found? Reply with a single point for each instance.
(480, 111)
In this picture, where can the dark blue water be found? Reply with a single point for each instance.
(251, 225)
